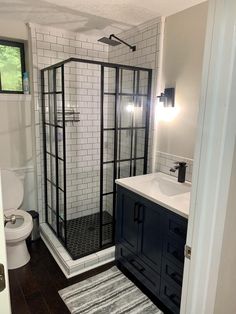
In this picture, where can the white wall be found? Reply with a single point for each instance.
(13, 29)
(225, 295)
(182, 67)
(17, 123)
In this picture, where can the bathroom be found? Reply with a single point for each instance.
(120, 142)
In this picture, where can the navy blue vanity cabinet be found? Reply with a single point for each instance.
(139, 238)
(127, 218)
(150, 244)
(151, 222)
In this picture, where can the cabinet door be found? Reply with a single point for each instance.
(151, 218)
(126, 222)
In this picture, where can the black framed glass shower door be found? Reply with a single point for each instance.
(125, 108)
(125, 94)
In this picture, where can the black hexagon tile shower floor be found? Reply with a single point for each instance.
(83, 234)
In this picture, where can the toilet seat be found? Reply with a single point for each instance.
(15, 233)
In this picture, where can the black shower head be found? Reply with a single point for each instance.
(109, 41)
(117, 41)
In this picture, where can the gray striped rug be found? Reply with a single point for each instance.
(107, 293)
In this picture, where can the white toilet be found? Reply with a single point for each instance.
(16, 234)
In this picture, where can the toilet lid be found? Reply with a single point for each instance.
(12, 190)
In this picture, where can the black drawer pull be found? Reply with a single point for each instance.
(175, 299)
(136, 265)
(140, 214)
(136, 211)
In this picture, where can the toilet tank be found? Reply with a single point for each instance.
(12, 189)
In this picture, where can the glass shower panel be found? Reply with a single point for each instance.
(48, 139)
(46, 101)
(52, 139)
(61, 204)
(83, 159)
(139, 143)
(109, 80)
(58, 80)
(127, 81)
(45, 81)
(108, 178)
(124, 144)
(126, 111)
(52, 219)
(60, 143)
(51, 109)
(108, 145)
(124, 169)
(138, 167)
(61, 229)
(109, 111)
(143, 83)
(52, 178)
(140, 111)
(107, 220)
(49, 194)
(50, 81)
(59, 109)
(61, 174)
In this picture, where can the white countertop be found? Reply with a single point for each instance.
(162, 189)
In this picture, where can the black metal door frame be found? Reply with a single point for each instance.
(51, 90)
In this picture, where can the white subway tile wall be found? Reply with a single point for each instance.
(166, 161)
(82, 86)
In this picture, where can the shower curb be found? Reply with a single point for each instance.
(70, 267)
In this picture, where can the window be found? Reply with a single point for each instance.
(12, 66)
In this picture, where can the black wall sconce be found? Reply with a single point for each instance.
(168, 97)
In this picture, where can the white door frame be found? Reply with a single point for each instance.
(213, 160)
(5, 307)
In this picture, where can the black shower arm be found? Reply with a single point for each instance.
(133, 48)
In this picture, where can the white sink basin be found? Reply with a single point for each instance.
(162, 189)
(171, 188)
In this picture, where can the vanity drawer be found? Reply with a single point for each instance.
(174, 251)
(172, 273)
(170, 296)
(177, 227)
(139, 269)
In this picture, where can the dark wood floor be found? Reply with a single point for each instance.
(34, 287)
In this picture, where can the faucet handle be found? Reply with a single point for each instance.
(181, 163)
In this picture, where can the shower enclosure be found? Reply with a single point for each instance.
(95, 129)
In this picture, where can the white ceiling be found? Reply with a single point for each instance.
(97, 17)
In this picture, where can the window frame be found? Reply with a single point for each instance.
(22, 58)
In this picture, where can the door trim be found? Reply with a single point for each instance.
(213, 160)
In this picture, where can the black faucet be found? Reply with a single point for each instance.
(181, 166)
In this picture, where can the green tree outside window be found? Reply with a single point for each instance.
(11, 67)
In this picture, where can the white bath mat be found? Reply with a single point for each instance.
(109, 292)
